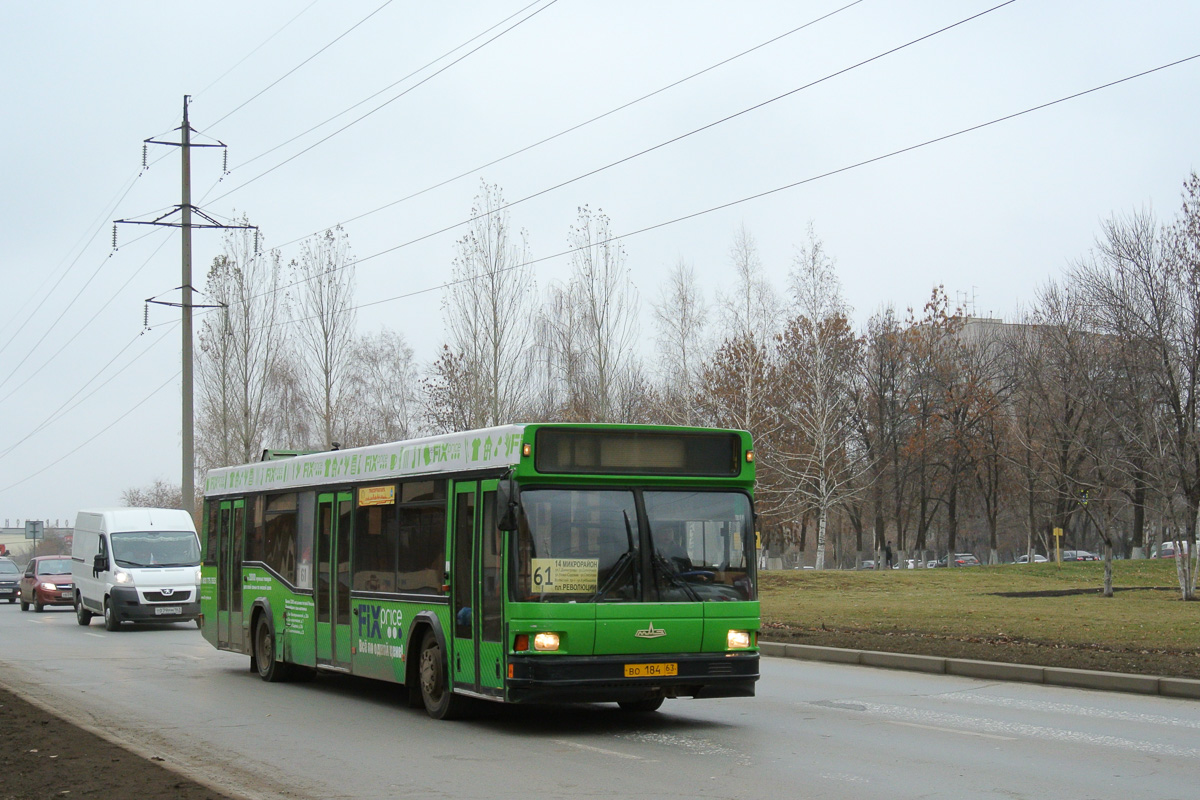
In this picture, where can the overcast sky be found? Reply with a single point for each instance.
(991, 214)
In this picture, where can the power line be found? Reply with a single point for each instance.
(658, 146)
(85, 325)
(580, 125)
(298, 66)
(255, 50)
(62, 410)
(93, 438)
(778, 189)
(423, 81)
(391, 85)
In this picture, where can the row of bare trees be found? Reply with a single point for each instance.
(923, 433)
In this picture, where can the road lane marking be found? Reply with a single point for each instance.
(953, 730)
(597, 749)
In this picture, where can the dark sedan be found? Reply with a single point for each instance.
(47, 582)
(10, 578)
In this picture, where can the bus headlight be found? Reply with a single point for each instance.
(545, 641)
(738, 640)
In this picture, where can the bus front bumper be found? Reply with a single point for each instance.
(599, 679)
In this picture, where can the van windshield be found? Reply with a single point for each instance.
(155, 549)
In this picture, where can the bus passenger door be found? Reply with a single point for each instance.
(477, 593)
(462, 601)
(230, 525)
(334, 526)
(489, 585)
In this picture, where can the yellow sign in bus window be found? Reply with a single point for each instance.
(565, 575)
(377, 495)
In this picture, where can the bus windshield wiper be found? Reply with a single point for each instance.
(622, 563)
(662, 563)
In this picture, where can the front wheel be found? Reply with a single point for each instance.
(82, 615)
(436, 692)
(38, 606)
(111, 623)
(24, 605)
(641, 706)
(270, 668)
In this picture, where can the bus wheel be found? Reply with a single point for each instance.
(111, 623)
(270, 669)
(82, 615)
(440, 700)
(641, 706)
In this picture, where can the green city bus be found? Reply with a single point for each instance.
(522, 563)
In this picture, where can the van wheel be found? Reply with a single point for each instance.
(82, 615)
(270, 668)
(111, 623)
(436, 691)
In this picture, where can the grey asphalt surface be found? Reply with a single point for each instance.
(816, 729)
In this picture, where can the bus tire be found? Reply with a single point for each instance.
(111, 623)
(82, 615)
(641, 706)
(436, 691)
(270, 668)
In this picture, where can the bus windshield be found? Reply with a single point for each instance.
(585, 545)
(156, 549)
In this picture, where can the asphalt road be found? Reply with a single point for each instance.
(815, 730)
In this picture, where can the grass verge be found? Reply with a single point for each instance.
(1043, 614)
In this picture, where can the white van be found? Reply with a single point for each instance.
(137, 565)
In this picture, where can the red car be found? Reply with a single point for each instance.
(47, 582)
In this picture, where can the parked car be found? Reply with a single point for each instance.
(959, 560)
(1167, 550)
(10, 580)
(1037, 559)
(47, 582)
(867, 563)
(1079, 555)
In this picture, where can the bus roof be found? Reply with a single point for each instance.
(430, 455)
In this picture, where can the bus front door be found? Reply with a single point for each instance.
(477, 592)
(230, 532)
(335, 518)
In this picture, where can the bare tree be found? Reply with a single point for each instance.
(680, 315)
(818, 359)
(326, 329)
(489, 313)
(159, 494)
(593, 326)
(383, 390)
(240, 348)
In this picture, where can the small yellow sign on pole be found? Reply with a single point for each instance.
(1058, 532)
(757, 540)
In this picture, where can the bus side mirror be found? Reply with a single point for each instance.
(506, 504)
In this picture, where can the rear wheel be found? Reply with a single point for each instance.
(641, 706)
(111, 623)
(82, 615)
(270, 668)
(436, 692)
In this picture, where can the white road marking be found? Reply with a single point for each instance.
(597, 749)
(952, 730)
(1069, 708)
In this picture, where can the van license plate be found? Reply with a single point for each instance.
(168, 610)
(651, 670)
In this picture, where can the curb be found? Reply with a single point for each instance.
(991, 670)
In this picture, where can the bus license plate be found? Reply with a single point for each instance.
(168, 610)
(651, 670)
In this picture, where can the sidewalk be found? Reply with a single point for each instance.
(991, 670)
